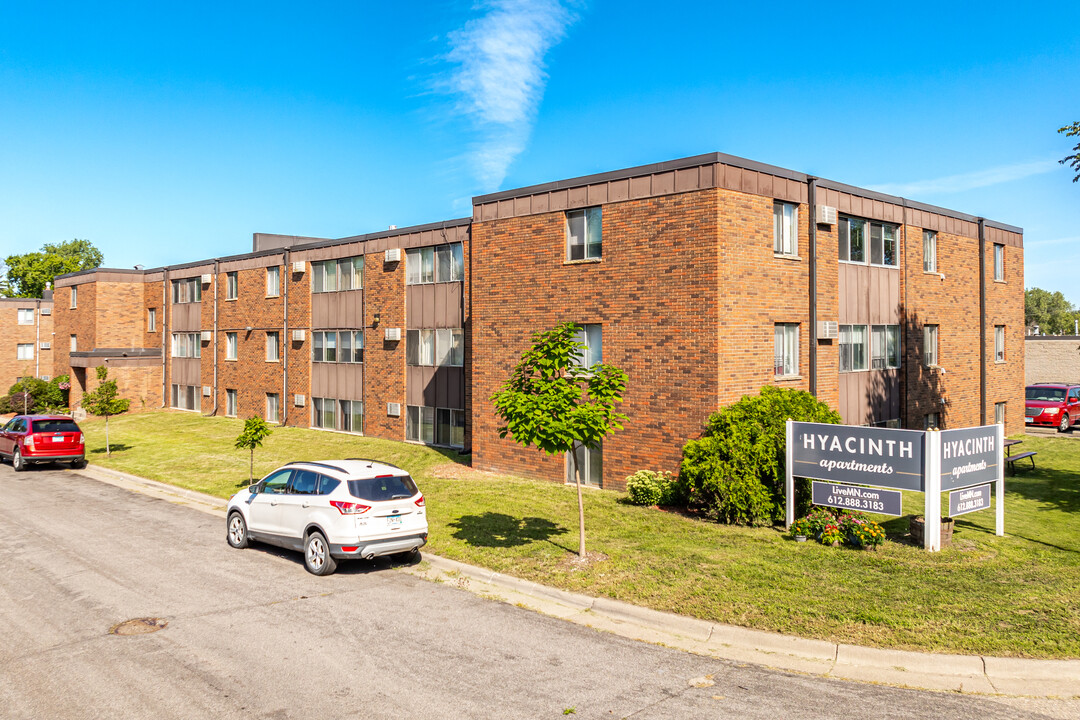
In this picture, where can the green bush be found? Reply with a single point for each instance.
(735, 472)
(43, 394)
(5, 404)
(646, 487)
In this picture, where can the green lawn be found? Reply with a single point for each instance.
(1018, 595)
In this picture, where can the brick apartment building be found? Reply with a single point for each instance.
(26, 337)
(704, 278)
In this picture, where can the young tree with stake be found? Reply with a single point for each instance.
(105, 401)
(255, 431)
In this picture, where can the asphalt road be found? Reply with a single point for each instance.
(250, 634)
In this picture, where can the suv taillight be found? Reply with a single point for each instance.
(420, 501)
(29, 441)
(348, 508)
(81, 438)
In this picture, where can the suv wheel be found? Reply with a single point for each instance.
(317, 557)
(1063, 426)
(17, 461)
(236, 532)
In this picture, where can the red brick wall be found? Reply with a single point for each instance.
(1005, 306)
(384, 361)
(12, 334)
(298, 353)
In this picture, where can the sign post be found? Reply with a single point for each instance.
(932, 493)
(789, 478)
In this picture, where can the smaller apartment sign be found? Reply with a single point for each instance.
(880, 457)
(969, 456)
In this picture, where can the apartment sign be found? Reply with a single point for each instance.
(881, 457)
(969, 456)
(969, 500)
(861, 499)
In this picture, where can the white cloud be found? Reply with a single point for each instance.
(500, 77)
(968, 181)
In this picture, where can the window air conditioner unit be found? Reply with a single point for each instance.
(207, 335)
(393, 333)
(299, 400)
(206, 391)
(298, 266)
(393, 255)
(826, 215)
(828, 330)
(206, 278)
(46, 311)
(46, 346)
(393, 409)
(298, 335)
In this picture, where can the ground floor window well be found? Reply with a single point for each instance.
(345, 415)
(435, 426)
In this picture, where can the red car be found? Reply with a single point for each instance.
(42, 438)
(1053, 404)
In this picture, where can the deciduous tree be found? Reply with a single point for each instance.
(1072, 160)
(105, 401)
(255, 431)
(29, 274)
(1049, 310)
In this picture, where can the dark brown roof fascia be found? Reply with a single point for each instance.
(458, 222)
(117, 352)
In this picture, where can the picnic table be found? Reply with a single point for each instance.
(1011, 459)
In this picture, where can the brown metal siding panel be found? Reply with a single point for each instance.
(663, 183)
(597, 194)
(706, 176)
(640, 187)
(186, 317)
(187, 371)
(577, 197)
(686, 180)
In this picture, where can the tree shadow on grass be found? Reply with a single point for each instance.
(500, 530)
(113, 447)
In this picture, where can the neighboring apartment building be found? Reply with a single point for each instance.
(1052, 358)
(704, 278)
(26, 337)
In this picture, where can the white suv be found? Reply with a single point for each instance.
(330, 510)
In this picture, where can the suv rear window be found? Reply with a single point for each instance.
(48, 426)
(1045, 394)
(391, 487)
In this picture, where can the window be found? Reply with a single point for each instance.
(435, 426)
(445, 346)
(785, 228)
(855, 234)
(590, 465)
(230, 346)
(999, 343)
(929, 251)
(272, 403)
(999, 262)
(273, 281)
(272, 346)
(420, 424)
(151, 320)
(74, 296)
(188, 290)
(443, 263)
(74, 344)
(26, 316)
(930, 349)
(592, 337)
(583, 234)
(24, 351)
(45, 378)
(322, 413)
(232, 287)
(931, 421)
(334, 275)
(786, 350)
(999, 413)
(351, 416)
(230, 403)
(884, 346)
(853, 355)
(186, 397)
(343, 346)
(186, 345)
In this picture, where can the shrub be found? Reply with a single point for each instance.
(5, 404)
(42, 395)
(868, 534)
(735, 472)
(646, 487)
(831, 534)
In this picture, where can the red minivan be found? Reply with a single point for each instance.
(42, 438)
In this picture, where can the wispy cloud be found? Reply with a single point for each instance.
(969, 181)
(499, 77)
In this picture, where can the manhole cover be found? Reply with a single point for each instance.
(138, 626)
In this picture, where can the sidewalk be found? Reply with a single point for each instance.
(929, 671)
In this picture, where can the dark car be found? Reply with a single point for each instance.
(42, 438)
(1053, 404)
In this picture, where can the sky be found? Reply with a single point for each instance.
(166, 132)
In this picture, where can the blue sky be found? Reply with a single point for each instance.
(166, 134)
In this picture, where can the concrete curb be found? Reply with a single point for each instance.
(928, 671)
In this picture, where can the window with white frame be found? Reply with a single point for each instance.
(26, 316)
(232, 286)
(438, 264)
(186, 397)
(230, 403)
(337, 346)
(74, 296)
(151, 320)
(999, 413)
(929, 251)
(785, 228)
(74, 343)
(590, 335)
(442, 346)
(331, 414)
(857, 235)
(273, 347)
(584, 234)
(930, 345)
(999, 343)
(335, 275)
(273, 281)
(589, 463)
(786, 355)
(231, 348)
(185, 291)
(853, 350)
(273, 402)
(435, 426)
(186, 345)
(884, 347)
(999, 262)
(24, 351)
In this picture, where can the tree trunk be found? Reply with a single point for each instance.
(251, 468)
(108, 452)
(580, 505)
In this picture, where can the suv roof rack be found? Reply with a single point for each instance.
(318, 464)
(381, 462)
